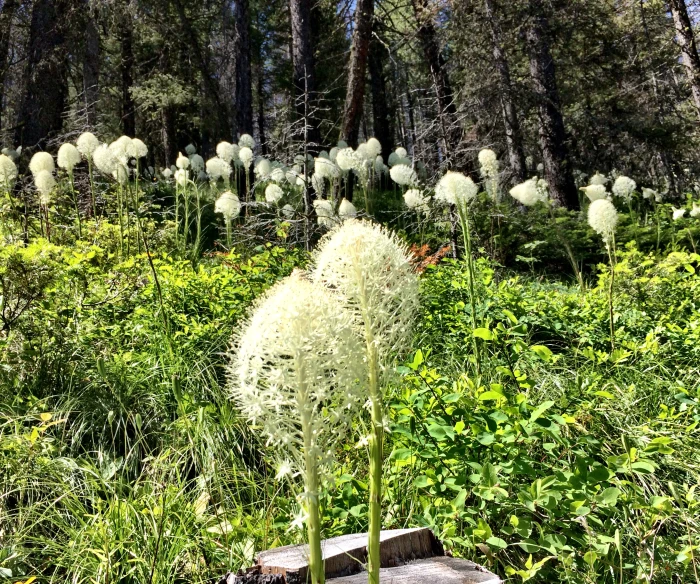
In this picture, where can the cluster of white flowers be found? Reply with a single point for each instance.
(218, 168)
(45, 183)
(246, 141)
(87, 143)
(488, 162)
(595, 192)
(695, 211)
(228, 205)
(599, 179)
(104, 159)
(245, 154)
(403, 175)
(263, 168)
(68, 157)
(226, 151)
(273, 194)
(678, 213)
(41, 161)
(602, 217)
(346, 210)
(182, 175)
(648, 193)
(455, 189)
(624, 187)
(416, 201)
(324, 212)
(8, 171)
(531, 192)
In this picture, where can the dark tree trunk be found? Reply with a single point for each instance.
(261, 110)
(126, 66)
(41, 113)
(355, 96)
(689, 51)
(552, 135)
(91, 67)
(6, 16)
(244, 85)
(304, 78)
(449, 125)
(514, 140)
(382, 118)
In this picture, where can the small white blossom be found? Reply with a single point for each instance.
(416, 201)
(8, 170)
(225, 151)
(288, 211)
(45, 183)
(374, 148)
(324, 212)
(595, 192)
(346, 210)
(138, 149)
(678, 213)
(599, 179)
(104, 160)
(273, 193)
(246, 156)
(624, 187)
(529, 193)
(181, 177)
(196, 163)
(455, 189)
(182, 161)
(695, 212)
(218, 168)
(246, 141)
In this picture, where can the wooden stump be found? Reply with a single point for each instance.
(407, 556)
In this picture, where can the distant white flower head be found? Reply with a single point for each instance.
(41, 161)
(602, 217)
(346, 159)
(599, 179)
(333, 154)
(138, 149)
(317, 184)
(277, 175)
(326, 168)
(362, 152)
(393, 157)
(246, 141)
(595, 192)
(167, 173)
(300, 180)
(298, 359)
(370, 268)
(624, 187)
(273, 194)
(196, 163)
(695, 212)
(540, 168)
(379, 165)
(346, 210)
(246, 156)
(87, 143)
(374, 147)
(263, 169)
(401, 152)
(648, 193)
(489, 163)
(182, 161)
(228, 205)
(403, 175)
(528, 193)
(416, 201)
(12, 153)
(225, 151)
(182, 175)
(8, 171)
(218, 168)
(324, 154)
(678, 213)
(288, 211)
(104, 159)
(122, 148)
(342, 144)
(68, 156)
(45, 183)
(190, 149)
(455, 189)
(324, 212)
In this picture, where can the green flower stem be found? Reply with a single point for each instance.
(569, 251)
(376, 449)
(611, 283)
(466, 234)
(75, 203)
(92, 191)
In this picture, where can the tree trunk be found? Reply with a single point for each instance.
(244, 85)
(382, 119)
(126, 69)
(46, 91)
(689, 51)
(261, 110)
(304, 78)
(449, 125)
(355, 96)
(6, 16)
(552, 135)
(91, 67)
(514, 139)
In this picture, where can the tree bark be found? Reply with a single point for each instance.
(382, 119)
(126, 70)
(6, 16)
(689, 51)
(450, 129)
(355, 96)
(261, 110)
(304, 78)
(46, 91)
(91, 67)
(514, 139)
(244, 85)
(552, 135)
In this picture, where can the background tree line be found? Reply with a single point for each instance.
(574, 85)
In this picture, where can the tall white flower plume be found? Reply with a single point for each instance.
(595, 192)
(273, 193)
(8, 171)
(245, 154)
(104, 159)
(374, 148)
(228, 205)
(138, 148)
(528, 193)
(196, 163)
(225, 151)
(346, 210)
(68, 157)
(87, 143)
(678, 213)
(218, 168)
(455, 189)
(182, 162)
(416, 201)
(246, 141)
(624, 187)
(602, 217)
(45, 183)
(403, 175)
(324, 212)
(599, 179)
(41, 161)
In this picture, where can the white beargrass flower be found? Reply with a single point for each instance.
(393, 157)
(121, 173)
(695, 212)
(294, 373)
(182, 175)
(104, 159)
(190, 149)
(317, 184)
(12, 153)
(342, 144)
(624, 187)
(678, 213)
(333, 154)
(648, 193)
(8, 170)
(455, 189)
(324, 154)
(87, 143)
(489, 163)
(122, 148)
(273, 194)
(166, 173)
(379, 165)
(45, 183)
(326, 168)
(401, 152)
(246, 156)
(346, 159)
(602, 217)
(324, 212)
(346, 210)
(374, 147)
(595, 192)
(263, 169)
(68, 156)
(182, 161)
(277, 174)
(416, 201)
(225, 151)
(403, 175)
(529, 193)
(218, 168)
(288, 211)
(246, 141)
(138, 149)
(599, 179)
(41, 161)
(196, 163)
(228, 204)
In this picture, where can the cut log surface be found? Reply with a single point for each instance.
(346, 554)
(442, 570)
